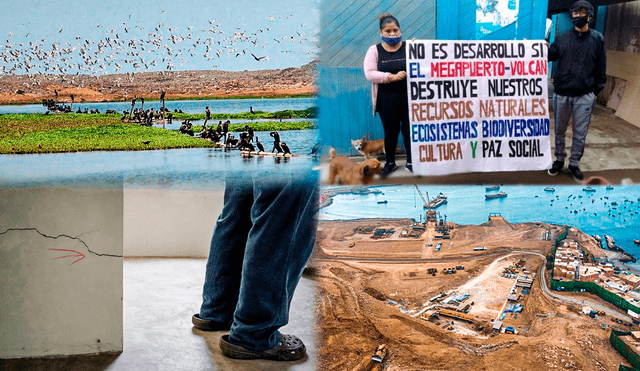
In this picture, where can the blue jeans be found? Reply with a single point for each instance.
(261, 243)
(580, 108)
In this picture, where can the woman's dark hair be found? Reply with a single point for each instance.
(388, 18)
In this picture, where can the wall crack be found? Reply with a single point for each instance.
(62, 236)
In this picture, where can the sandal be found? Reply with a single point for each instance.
(289, 348)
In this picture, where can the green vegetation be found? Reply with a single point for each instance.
(16, 126)
(37, 133)
(101, 138)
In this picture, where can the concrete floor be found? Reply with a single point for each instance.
(612, 151)
(160, 296)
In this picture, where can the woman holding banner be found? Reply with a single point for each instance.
(385, 67)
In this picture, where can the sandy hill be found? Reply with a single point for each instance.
(176, 84)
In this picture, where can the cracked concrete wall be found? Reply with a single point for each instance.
(60, 270)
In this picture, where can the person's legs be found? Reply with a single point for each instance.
(391, 126)
(224, 265)
(406, 134)
(279, 245)
(582, 110)
(562, 111)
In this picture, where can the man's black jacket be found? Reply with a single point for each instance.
(581, 63)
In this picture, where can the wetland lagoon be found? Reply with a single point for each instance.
(192, 162)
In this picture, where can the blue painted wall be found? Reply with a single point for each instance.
(348, 28)
(601, 18)
(456, 20)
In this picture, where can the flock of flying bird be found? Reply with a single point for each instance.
(163, 48)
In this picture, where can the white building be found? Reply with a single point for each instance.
(617, 286)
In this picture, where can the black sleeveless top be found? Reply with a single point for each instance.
(393, 62)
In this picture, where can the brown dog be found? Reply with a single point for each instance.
(351, 172)
(367, 147)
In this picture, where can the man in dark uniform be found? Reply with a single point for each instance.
(580, 75)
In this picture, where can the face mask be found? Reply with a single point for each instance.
(579, 21)
(392, 41)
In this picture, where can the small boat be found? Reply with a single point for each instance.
(497, 195)
(382, 202)
(609, 187)
(589, 189)
(637, 242)
(549, 189)
(492, 188)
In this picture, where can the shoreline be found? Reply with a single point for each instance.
(4, 102)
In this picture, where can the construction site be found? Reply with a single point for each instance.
(396, 294)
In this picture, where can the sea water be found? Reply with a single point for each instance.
(187, 106)
(595, 213)
(186, 167)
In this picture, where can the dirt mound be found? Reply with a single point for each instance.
(375, 293)
(498, 222)
(176, 84)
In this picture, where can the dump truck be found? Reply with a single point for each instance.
(510, 330)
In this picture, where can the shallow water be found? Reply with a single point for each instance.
(593, 213)
(187, 106)
(190, 167)
(176, 123)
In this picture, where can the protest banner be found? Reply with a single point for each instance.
(478, 106)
